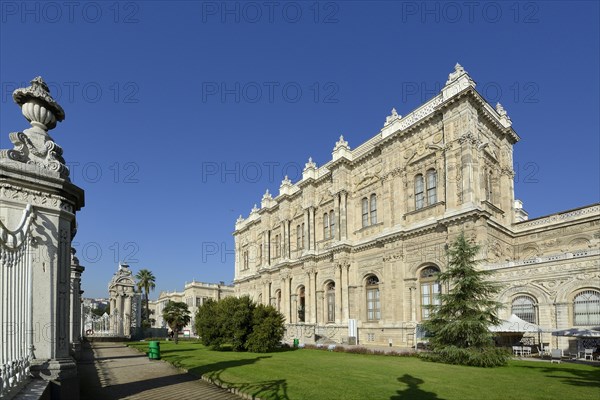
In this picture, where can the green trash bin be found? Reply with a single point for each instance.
(154, 350)
(296, 342)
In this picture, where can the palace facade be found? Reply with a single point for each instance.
(351, 252)
(194, 294)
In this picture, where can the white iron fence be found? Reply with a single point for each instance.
(16, 296)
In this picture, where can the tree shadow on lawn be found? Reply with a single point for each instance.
(271, 389)
(412, 392)
(580, 377)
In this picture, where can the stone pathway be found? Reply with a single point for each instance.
(114, 371)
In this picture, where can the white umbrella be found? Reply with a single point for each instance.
(516, 324)
(577, 332)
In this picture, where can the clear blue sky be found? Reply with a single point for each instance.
(181, 114)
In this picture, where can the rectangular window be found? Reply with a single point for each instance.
(373, 209)
(373, 307)
(331, 224)
(198, 301)
(325, 226)
(419, 198)
(431, 187)
(365, 212)
(331, 306)
(298, 237)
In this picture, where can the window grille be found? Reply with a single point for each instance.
(586, 308)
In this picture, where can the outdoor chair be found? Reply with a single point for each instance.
(541, 352)
(589, 353)
(526, 351)
(555, 355)
(517, 350)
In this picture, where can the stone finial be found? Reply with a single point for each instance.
(392, 117)
(310, 164)
(504, 118)
(240, 219)
(254, 209)
(286, 181)
(458, 81)
(458, 71)
(38, 106)
(341, 143)
(267, 195)
(74, 259)
(34, 146)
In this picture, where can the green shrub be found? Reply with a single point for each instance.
(267, 329)
(239, 323)
(472, 356)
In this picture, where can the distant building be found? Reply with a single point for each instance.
(194, 295)
(352, 251)
(93, 304)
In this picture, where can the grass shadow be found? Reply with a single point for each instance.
(580, 377)
(413, 392)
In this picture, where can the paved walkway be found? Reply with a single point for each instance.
(114, 371)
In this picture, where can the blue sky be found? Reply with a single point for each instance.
(180, 114)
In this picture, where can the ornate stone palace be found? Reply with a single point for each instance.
(352, 250)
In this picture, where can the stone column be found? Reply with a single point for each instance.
(282, 240)
(345, 292)
(313, 303)
(313, 228)
(336, 209)
(306, 242)
(127, 315)
(285, 299)
(343, 216)
(308, 298)
(75, 303)
(338, 294)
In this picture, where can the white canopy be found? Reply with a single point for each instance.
(577, 332)
(516, 324)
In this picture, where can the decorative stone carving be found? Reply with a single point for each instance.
(392, 117)
(34, 146)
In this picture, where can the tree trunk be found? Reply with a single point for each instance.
(176, 331)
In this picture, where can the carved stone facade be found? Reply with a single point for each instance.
(360, 237)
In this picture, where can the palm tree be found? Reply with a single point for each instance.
(177, 315)
(145, 280)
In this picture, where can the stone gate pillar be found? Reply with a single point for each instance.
(33, 176)
(122, 290)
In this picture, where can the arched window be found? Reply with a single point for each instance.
(431, 187)
(331, 224)
(430, 290)
(260, 298)
(326, 226)
(365, 212)
(373, 303)
(524, 308)
(330, 290)
(586, 308)
(419, 195)
(373, 209)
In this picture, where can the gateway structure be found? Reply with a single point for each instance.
(351, 252)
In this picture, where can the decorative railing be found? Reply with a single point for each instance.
(16, 289)
(560, 217)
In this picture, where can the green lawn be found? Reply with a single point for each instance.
(317, 374)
